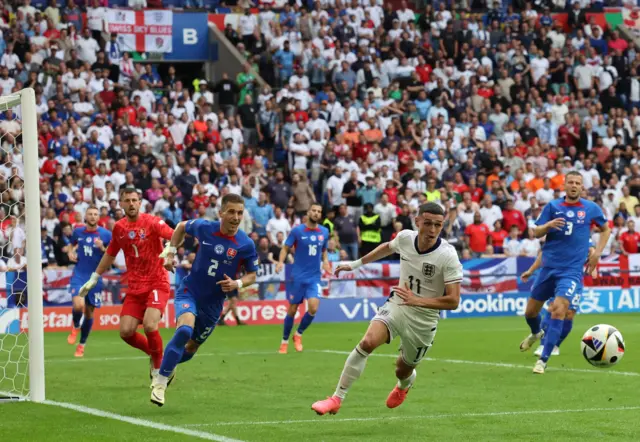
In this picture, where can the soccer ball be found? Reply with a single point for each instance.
(602, 345)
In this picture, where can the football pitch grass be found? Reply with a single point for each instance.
(474, 385)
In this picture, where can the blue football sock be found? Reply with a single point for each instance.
(85, 329)
(307, 319)
(553, 336)
(186, 356)
(174, 350)
(288, 325)
(77, 316)
(534, 324)
(544, 325)
(567, 325)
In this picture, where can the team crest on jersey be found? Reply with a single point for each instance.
(581, 214)
(185, 305)
(428, 270)
(313, 237)
(89, 240)
(231, 253)
(132, 234)
(142, 233)
(570, 214)
(321, 238)
(219, 249)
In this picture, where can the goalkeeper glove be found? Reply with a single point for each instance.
(168, 250)
(90, 284)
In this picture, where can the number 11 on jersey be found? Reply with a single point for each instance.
(413, 279)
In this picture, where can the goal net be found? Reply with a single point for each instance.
(21, 326)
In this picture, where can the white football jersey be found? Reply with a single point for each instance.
(425, 273)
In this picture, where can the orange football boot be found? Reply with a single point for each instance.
(297, 341)
(330, 405)
(71, 339)
(79, 351)
(397, 397)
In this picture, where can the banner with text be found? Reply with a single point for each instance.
(15, 320)
(142, 31)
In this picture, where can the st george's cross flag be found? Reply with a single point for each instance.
(142, 31)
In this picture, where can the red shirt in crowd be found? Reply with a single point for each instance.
(513, 218)
(424, 73)
(200, 200)
(392, 193)
(213, 136)
(478, 235)
(461, 188)
(497, 238)
(476, 194)
(405, 159)
(130, 111)
(301, 115)
(361, 150)
(629, 241)
(49, 167)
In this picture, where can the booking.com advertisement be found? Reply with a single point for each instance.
(483, 305)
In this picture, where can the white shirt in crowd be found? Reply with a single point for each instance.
(276, 225)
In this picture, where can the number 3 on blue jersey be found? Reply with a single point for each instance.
(569, 228)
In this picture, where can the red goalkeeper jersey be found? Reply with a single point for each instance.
(141, 242)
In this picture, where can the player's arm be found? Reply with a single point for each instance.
(380, 252)
(105, 264)
(449, 301)
(229, 285)
(452, 274)
(251, 263)
(544, 223)
(605, 233)
(177, 238)
(286, 248)
(535, 266)
(326, 265)
(284, 251)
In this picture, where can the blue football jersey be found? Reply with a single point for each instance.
(89, 255)
(568, 248)
(218, 255)
(309, 244)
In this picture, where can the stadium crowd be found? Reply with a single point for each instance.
(369, 109)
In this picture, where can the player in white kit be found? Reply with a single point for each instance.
(430, 277)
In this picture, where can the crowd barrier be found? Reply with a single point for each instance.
(491, 287)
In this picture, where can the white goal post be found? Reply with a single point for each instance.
(25, 99)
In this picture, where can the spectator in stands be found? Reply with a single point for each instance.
(477, 235)
(348, 233)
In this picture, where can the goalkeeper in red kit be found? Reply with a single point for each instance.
(140, 237)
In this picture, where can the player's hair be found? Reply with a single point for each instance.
(574, 173)
(432, 208)
(128, 190)
(320, 205)
(92, 207)
(232, 198)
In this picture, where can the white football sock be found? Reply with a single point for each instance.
(155, 372)
(353, 368)
(403, 384)
(162, 380)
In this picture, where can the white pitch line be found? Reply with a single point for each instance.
(142, 422)
(132, 358)
(404, 417)
(490, 364)
(340, 352)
